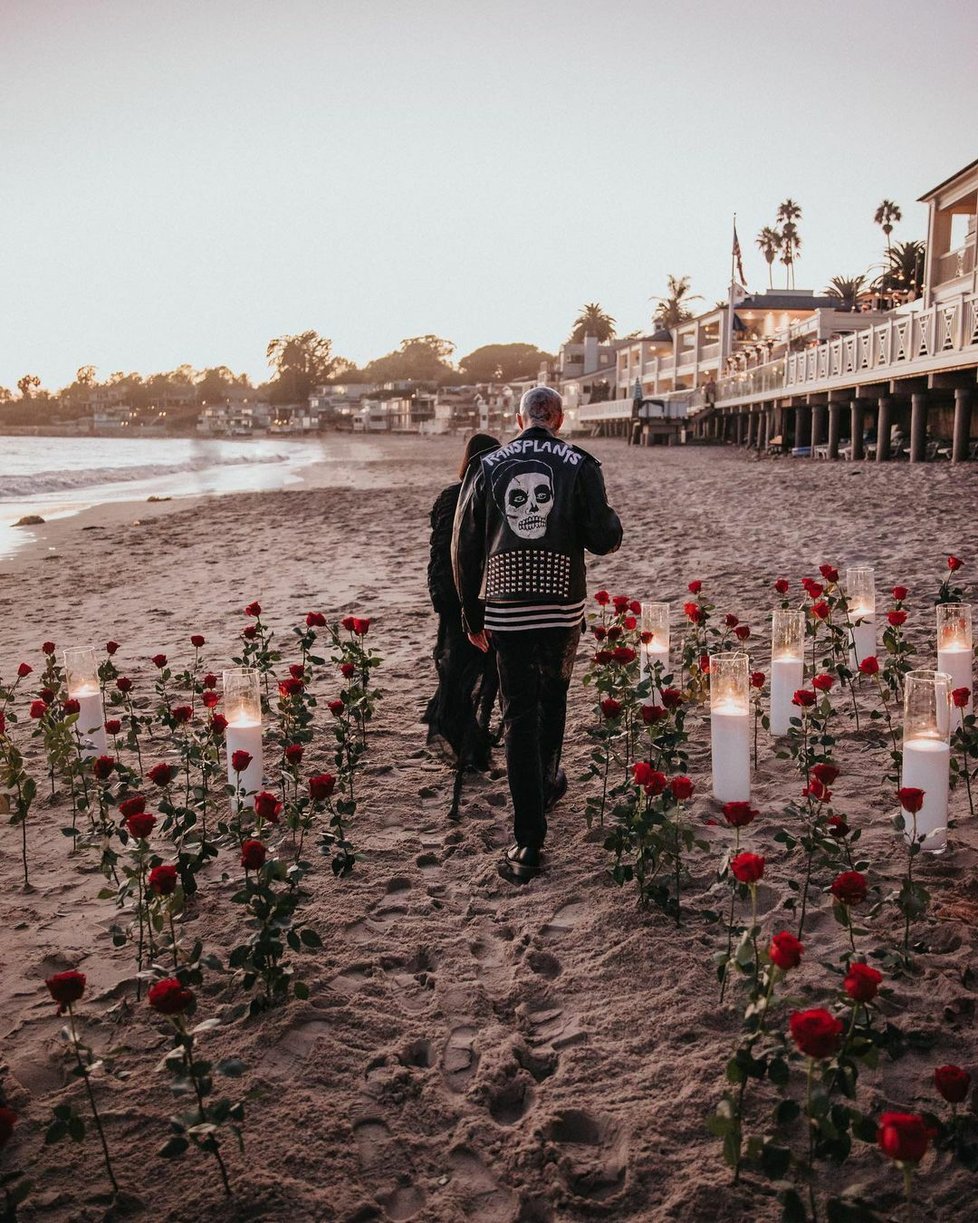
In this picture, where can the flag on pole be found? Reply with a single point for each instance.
(738, 258)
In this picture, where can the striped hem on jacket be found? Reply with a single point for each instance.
(517, 617)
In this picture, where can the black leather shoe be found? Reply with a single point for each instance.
(521, 864)
(557, 790)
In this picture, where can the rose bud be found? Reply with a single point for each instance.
(290, 687)
(209, 680)
(348, 669)
(197, 640)
(785, 951)
(757, 679)
(48, 647)
(181, 714)
(249, 632)
(111, 647)
(672, 698)
(837, 827)
(691, 611)
(624, 654)
(804, 699)
(621, 603)
(651, 780)
(219, 724)
(70, 706)
(903, 1137)
(815, 789)
(695, 586)
(253, 609)
(360, 626)
(823, 682)
(163, 880)
(124, 684)
(897, 617)
(598, 630)
(730, 620)
(630, 623)
(240, 760)
(821, 610)
(899, 593)
(159, 660)
(814, 589)
(135, 804)
(953, 1083)
(162, 774)
(348, 622)
(603, 598)
(47, 695)
(704, 664)
(140, 825)
(321, 787)
(869, 666)
(66, 988)
(652, 714)
(862, 982)
(682, 788)
(747, 868)
(113, 726)
(614, 632)
(102, 767)
(646, 637)
(3, 723)
(911, 799)
(24, 670)
(739, 814)
(961, 697)
(954, 563)
(169, 997)
(817, 1033)
(635, 607)
(335, 707)
(603, 657)
(267, 806)
(827, 774)
(210, 698)
(293, 753)
(610, 707)
(297, 670)
(8, 1119)
(829, 572)
(782, 586)
(742, 632)
(253, 855)
(849, 888)
(37, 710)
(315, 620)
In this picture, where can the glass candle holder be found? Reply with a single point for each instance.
(730, 726)
(242, 696)
(655, 642)
(955, 652)
(730, 682)
(81, 671)
(242, 705)
(787, 665)
(82, 682)
(927, 754)
(861, 602)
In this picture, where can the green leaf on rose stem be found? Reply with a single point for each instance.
(231, 1067)
(76, 1128)
(301, 990)
(174, 1147)
(792, 1207)
(310, 938)
(786, 1112)
(775, 1161)
(778, 1072)
(56, 1131)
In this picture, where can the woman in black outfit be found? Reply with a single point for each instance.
(459, 712)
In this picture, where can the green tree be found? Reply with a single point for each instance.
(423, 358)
(788, 213)
(885, 217)
(905, 273)
(769, 241)
(847, 289)
(28, 385)
(301, 362)
(593, 321)
(214, 383)
(672, 309)
(502, 362)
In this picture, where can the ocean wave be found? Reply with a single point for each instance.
(22, 487)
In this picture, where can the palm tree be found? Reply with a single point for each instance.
(672, 310)
(788, 213)
(593, 321)
(906, 271)
(847, 288)
(769, 240)
(885, 216)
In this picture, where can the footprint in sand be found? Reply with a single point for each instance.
(412, 979)
(459, 1059)
(566, 919)
(544, 964)
(287, 1054)
(405, 1202)
(351, 980)
(592, 1154)
(550, 1028)
(485, 1198)
(511, 1100)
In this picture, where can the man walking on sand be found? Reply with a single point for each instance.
(525, 515)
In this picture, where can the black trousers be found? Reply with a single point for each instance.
(534, 673)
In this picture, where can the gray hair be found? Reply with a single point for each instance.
(541, 405)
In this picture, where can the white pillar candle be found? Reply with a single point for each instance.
(862, 627)
(730, 738)
(91, 721)
(927, 765)
(787, 676)
(245, 736)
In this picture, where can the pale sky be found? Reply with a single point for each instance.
(185, 179)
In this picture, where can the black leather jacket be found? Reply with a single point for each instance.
(525, 515)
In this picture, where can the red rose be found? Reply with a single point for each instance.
(240, 760)
(837, 827)
(210, 698)
(209, 680)
(829, 572)
(869, 666)
(825, 773)
(47, 695)
(961, 697)
(704, 664)
(181, 714)
(695, 586)
(135, 804)
(899, 593)
(140, 824)
(293, 753)
(124, 684)
(849, 888)
(66, 988)
(113, 726)
(169, 997)
(315, 620)
(360, 626)
(610, 707)
(911, 799)
(652, 781)
(897, 617)
(249, 632)
(747, 867)
(24, 670)
(290, 687)
(672, 698)
(614, 632)
(8, 1119)
(813, 589)
(253, 609)
(630, 623)
(624, 654)
(48, 647)
(635, 607)
(804, 699)
(821, 610)
(782, 586)
(335, 707)
(785, 950)
(321, 787)
(162, 774)
(603, 657)
(817, 1033)
(823, 682)
(159, 660)
(862, 982)
(646, 637)
(692, 612)
(348, 623)
(904, 1137)
(742, 632)
(600, 632)
(37, 710)
(70, 706)
(682, 788)
(953, 1083)
(621, 603)
(739, 815)
(111, 647)
(3, 723)
(197, 640)
(253, 855)
(102, 767)
(730, 620)
(297, 670)
(267, 806)
(757, 679)
(163, 880)
(817, 790)
(219, 724)
(603, 598)
(652, 714)
(954, 563)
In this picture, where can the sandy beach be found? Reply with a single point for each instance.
(470, 1050)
